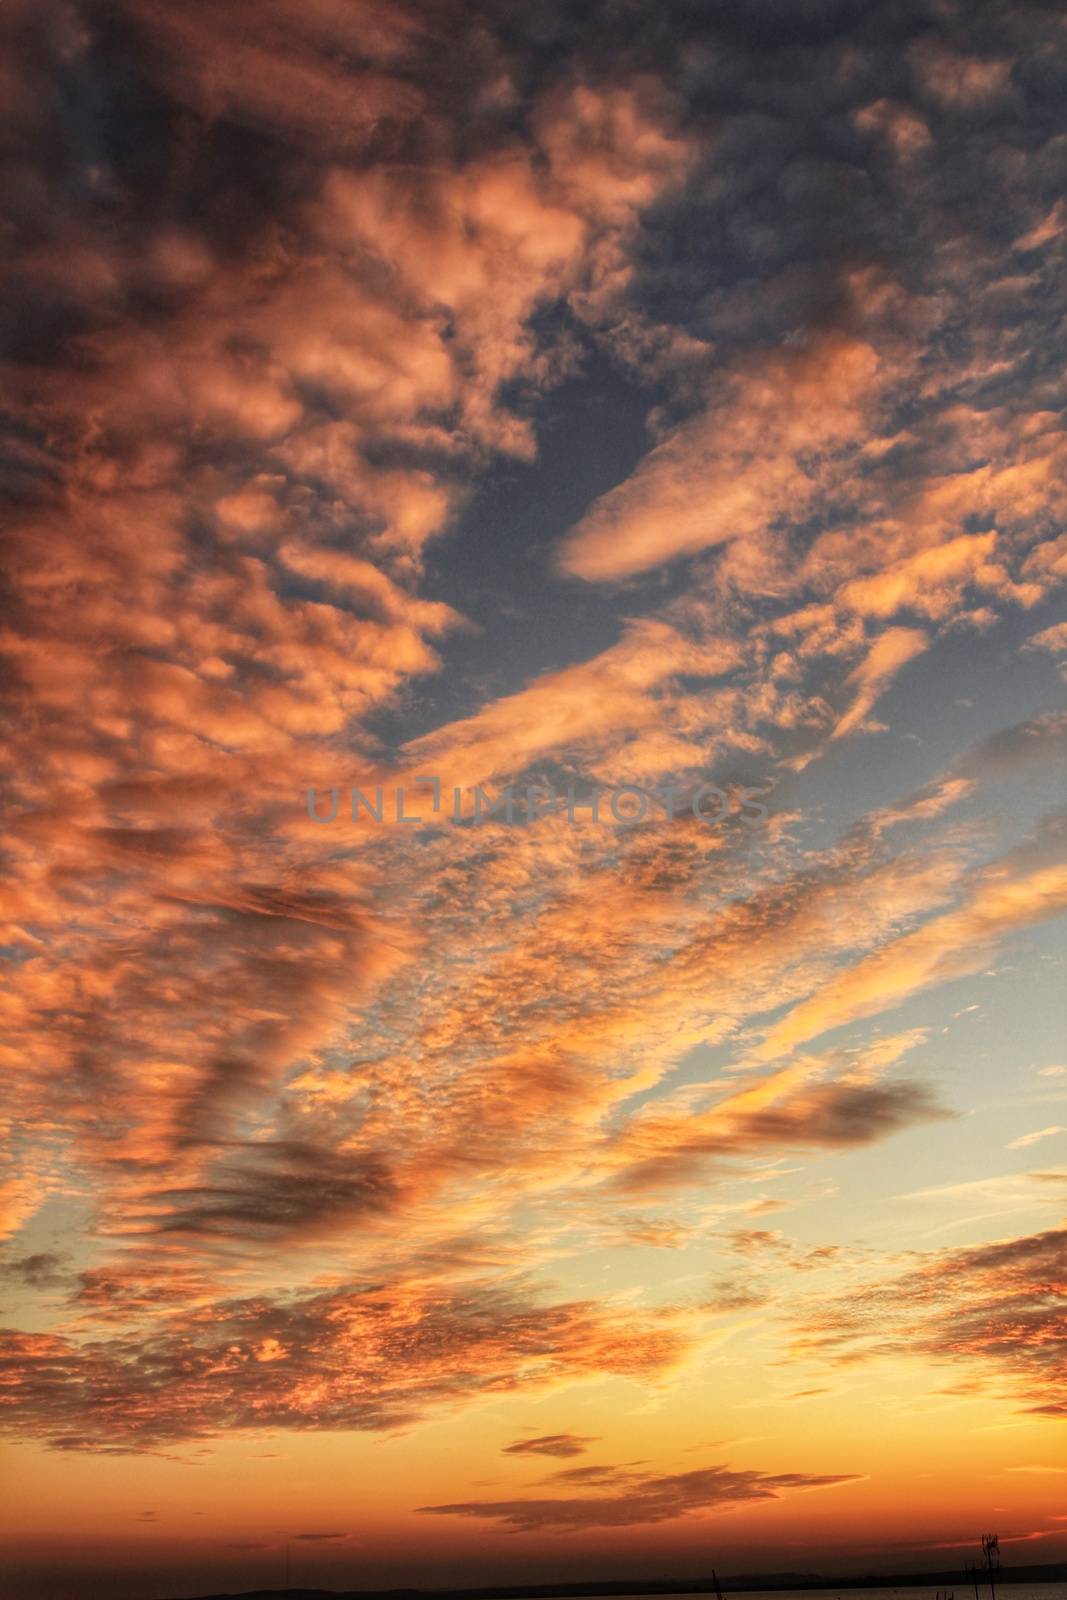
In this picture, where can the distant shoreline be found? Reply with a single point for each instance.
(747, 1583)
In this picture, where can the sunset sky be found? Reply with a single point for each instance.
(571, 395)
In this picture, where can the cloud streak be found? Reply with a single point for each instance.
(642, 1498)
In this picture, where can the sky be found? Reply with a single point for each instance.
(531, 999)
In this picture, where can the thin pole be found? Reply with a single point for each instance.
(990, 1544)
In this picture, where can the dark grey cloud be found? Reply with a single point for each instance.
(829, 1116)
(551, 1444)
(1039, 741)
(278, 1189)
(640, 1498)
(43, 1270)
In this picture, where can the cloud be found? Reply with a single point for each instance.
(551, 1444)
(642, 1498)
(43, 1270)
(266, 345)
(583, 709)
(276, 1189)
(930, 583)
(1039, 741)
(1025, 888)
(293, 363)
(365, 1358)
(731, 472)
(957, 79)
(667, 1145)
(1053, 639)
(996, 1308)
(1049, 228)
(874, 674)
(835, 1116)
(1025, 1140)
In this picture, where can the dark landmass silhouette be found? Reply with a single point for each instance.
(738, 1583)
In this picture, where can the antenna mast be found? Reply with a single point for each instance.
(991, 1551)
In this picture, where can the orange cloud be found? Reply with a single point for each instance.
(1017, 892)
(369, 1358)
(993, 1307)
(889, 652)
(730, 473)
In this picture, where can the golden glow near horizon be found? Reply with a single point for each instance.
(446, 404)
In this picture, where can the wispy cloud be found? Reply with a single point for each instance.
(997, 1308)
(1025, 1140)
